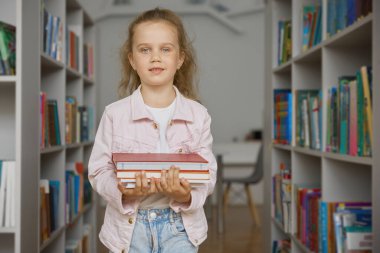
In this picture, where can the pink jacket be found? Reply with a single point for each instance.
(127, 126)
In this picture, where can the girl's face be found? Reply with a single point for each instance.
(155, 53)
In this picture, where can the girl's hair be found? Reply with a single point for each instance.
(184, 77)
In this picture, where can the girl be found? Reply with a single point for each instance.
(161, 115)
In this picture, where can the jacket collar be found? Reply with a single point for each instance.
(182, 110)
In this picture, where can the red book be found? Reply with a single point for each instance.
(158, 157)
(159, 161)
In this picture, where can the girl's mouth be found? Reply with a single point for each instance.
(156, 70)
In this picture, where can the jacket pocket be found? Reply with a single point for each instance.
(130, 145)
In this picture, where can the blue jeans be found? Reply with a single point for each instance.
(160, 231)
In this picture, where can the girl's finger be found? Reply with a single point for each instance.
(153, 188)
(164, 183)
(185, 184)
(158, 185)
(171, 177)
(176, 183)
(138, 182)
(144, 182)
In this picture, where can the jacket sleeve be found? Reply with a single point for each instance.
(101, 169)
(200, 193)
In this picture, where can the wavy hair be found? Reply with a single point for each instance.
(184, 79)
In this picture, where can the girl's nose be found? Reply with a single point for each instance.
(155, 57)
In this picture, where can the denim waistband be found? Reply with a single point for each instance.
(157, 214)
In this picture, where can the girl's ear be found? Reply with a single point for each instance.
(130, 58)
(181, 59)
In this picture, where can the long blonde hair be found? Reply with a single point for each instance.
(184, 77)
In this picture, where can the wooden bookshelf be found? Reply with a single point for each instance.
(341, 177)
(20, 122)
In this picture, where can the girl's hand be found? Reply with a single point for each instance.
(174, 187)
(141, 189)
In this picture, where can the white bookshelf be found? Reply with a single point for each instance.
(20, 123)
(341, 177)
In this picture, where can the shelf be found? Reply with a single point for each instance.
(283, 147)
(87, 20)
(86, 208)
(87, 80)
(348, 158)
(52, 237)
(48, 63)
(300, 245)
(313, 54)
(52, 149)
(72, 73)
(358, 34)
(87, 143)
(283, 68)
(279, 226)
(7, 230)
(74, 145)
(307, 151)
(7, 80)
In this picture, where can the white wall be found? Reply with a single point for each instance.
(231, 66)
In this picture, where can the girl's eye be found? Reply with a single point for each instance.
(144, 50)
(166, 50)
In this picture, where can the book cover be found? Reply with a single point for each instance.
(204, 175)
(174, 158)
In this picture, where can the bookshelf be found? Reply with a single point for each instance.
(38, 71)
(341, 177)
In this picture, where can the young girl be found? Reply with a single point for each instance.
(161, 115)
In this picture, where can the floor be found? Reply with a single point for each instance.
(240, 236)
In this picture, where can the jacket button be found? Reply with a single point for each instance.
(130, 220)
(155, 125)
(180, 150)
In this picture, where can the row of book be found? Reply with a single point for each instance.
(312, 26)
(7, 193)
(79, 122)
(88, 60)
(49, 118)
(349, 110)
(319, 225)
(308, 118)
(343, 13)
(49, 207)
(52, 35)
(281, 196)
(72, 48)
(282, 116)
(7, 49)
(74, 190)
(331, 226)
(281, 246)
(78, 193)
(81, 245)
(348, 122)
(53, 32)
(284, 51)
(192, 166)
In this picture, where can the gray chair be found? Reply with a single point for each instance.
(254, 178)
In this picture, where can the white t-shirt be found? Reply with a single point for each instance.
(162, 117)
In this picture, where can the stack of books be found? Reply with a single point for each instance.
(193, 167)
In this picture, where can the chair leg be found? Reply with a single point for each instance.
(225, 197)
(252, 206)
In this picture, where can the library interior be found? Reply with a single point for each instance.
(94, 158)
